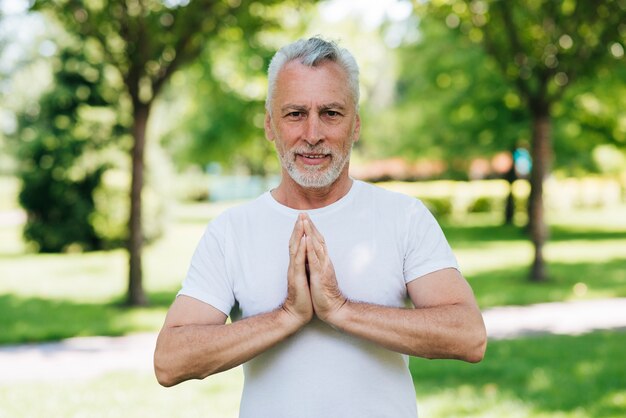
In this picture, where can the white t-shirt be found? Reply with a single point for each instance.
(378, 241)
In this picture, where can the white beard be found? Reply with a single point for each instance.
(313, 176)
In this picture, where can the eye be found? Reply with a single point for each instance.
(332, 115)
(295, 115)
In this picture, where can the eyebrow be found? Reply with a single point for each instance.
(334, 105)
(292, 107)
(303, 108)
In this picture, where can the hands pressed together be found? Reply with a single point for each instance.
(311, 283)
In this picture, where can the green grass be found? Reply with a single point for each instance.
(535, 377)
(48, 297)
(81, 294)
(548, 376)
(122, 394)
(52, 296)
(583, 262)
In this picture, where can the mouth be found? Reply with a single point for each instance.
(312, 159)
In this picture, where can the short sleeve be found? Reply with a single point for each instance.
(427, 249)
(207, 278)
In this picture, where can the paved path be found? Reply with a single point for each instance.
(87, 357)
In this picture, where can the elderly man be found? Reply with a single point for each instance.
(322, 267)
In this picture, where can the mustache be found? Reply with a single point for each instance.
(312, 149)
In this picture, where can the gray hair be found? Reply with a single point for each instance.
(313, 52)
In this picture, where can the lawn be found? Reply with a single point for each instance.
(538, 377)
(80, 294)
(547, 377)
(48, 297)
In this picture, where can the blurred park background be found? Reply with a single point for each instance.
(127, 125)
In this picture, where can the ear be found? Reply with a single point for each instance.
(357, 129)
(269, 131)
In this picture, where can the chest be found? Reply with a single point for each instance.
(366, 254)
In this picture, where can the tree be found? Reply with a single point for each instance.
(147, 41)
(451, 101)
(57, 152)
(541, 48)
(232, 102)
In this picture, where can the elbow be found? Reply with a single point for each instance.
(163, 374)
(475, 351)
(165, 378)
(169, 374)
(166, 370)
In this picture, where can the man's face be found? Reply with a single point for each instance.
(313, 123)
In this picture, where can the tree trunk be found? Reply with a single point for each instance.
(541, 155)
(511, 176)
(136, 295)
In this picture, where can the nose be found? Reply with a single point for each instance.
(313, 131)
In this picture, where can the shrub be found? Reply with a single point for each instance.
(59, 147)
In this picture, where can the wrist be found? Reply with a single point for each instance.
(290, 321)
(338, 317)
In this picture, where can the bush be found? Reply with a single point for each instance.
(481, 205)
(59, 147)
(59, 210)
(440, 207)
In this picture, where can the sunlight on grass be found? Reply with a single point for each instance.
(54, 296)
(93, 277)
(468, 401)
(123, 395)
(476, 259)
(537, 377)
(548, 376)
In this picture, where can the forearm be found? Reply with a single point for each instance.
(448, 331)
(196, 351)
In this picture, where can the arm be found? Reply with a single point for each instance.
(445, 323)
(195, 340)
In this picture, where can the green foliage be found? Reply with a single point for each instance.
(542, 47)
(58, 146)
(219, 99)
(145, 43)
(451, 102)
(110, 219)
(506, 61)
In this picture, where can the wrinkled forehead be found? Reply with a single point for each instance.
(326, 82)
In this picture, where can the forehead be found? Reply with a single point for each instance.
(300, 84)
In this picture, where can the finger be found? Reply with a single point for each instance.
(313, 230)
(306, 223)
(300, 257)
(315, 243)
(296, 234)
(311, 253)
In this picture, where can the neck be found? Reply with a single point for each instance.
(291, 194)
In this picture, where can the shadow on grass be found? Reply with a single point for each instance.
(473, 234)
(544, 375)
(511, 286)
(560, 233)
(37, 319)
